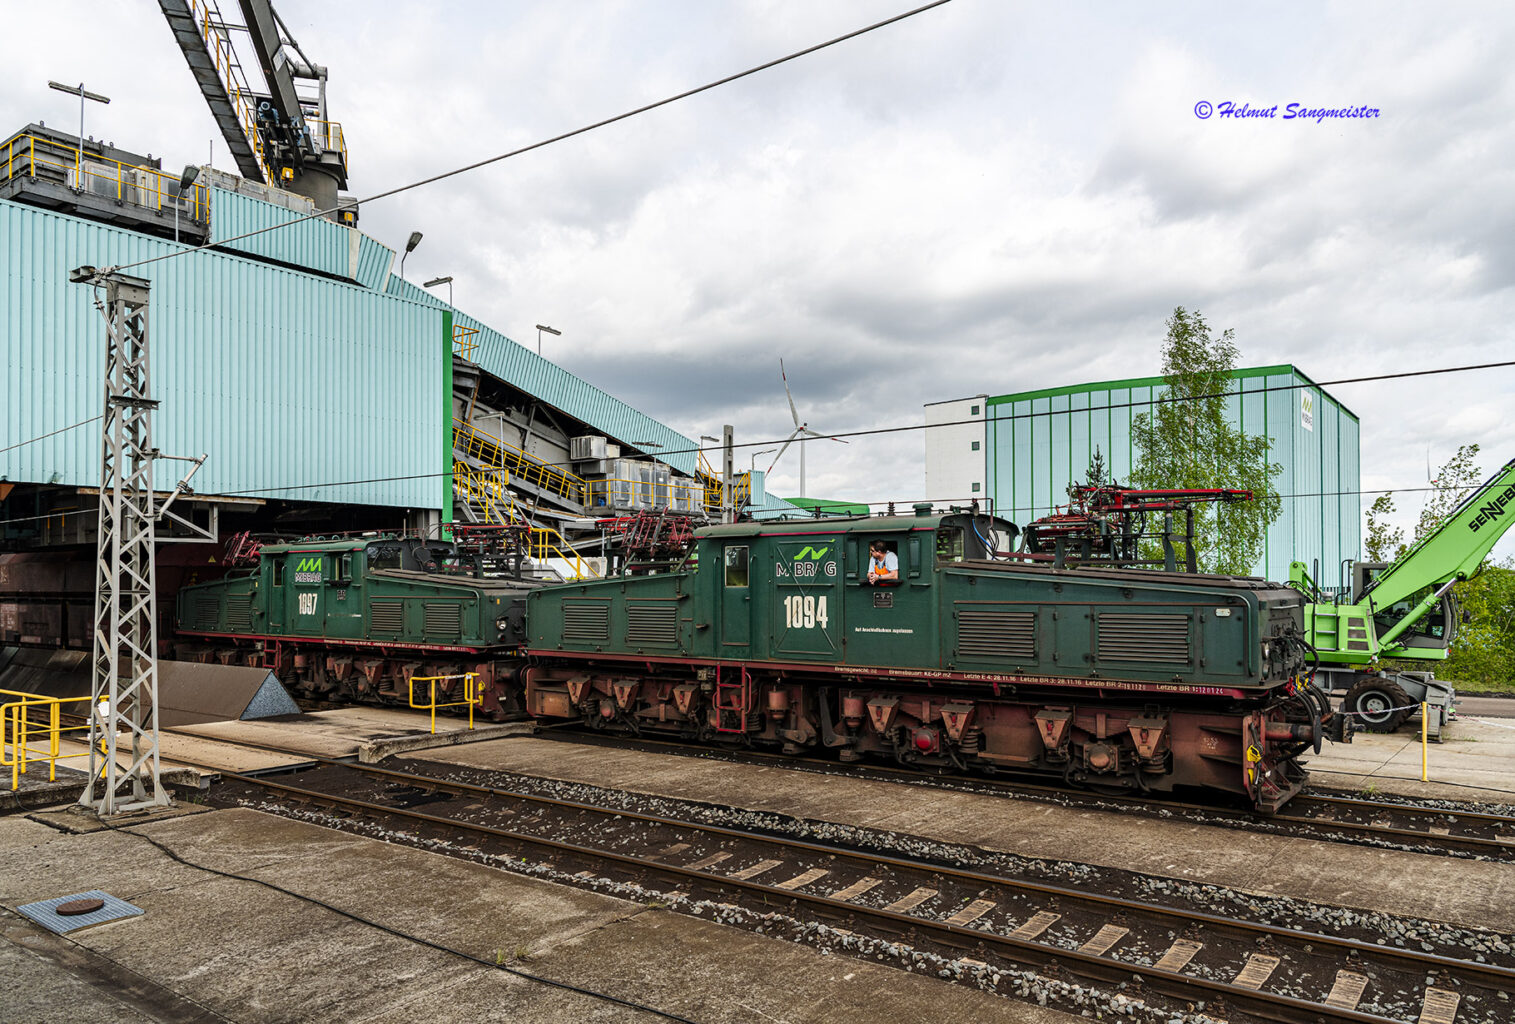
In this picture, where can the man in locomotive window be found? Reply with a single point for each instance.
(883, 564)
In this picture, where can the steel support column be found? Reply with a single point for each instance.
(124, 719)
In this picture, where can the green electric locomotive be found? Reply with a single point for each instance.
(904, 636)
(355, 620)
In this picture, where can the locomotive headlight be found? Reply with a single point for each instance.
(501, 623)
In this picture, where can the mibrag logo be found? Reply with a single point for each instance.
(811, 553)
(308, 570)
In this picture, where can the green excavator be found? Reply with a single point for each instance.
(1403, 610)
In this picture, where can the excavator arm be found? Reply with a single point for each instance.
(1381, 620)
(1455, 549)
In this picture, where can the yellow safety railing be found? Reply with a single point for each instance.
(37, 156)
(485, 490)
(26, 740)
(472, 695)
(208, 20)
(711, 482)
(329, 135)
(484, 447)
(465, 341)
(546, 543)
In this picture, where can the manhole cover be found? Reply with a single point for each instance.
(73, 908)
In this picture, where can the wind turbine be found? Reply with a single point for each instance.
(801, 431)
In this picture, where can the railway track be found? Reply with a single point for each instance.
(1430, 829)
(982, 927)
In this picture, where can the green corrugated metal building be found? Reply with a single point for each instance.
(1022, 450)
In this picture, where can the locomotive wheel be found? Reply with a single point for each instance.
(1371, 699)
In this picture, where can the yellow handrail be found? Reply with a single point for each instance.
(17, 729)
(133, 183)
(466, 341)
(472, 695)
(486, 490)
(492, 451)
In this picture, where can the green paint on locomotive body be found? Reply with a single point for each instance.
(796, 593)
(376, 591)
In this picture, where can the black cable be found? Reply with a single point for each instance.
(403, 935)
(51, 433)
(910, 427)
(350, 203)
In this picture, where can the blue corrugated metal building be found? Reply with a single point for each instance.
(293, 358)
(1022, 450)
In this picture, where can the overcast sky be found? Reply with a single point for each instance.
(990, 197)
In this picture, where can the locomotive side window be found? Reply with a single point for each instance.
(736, 566)
(278, 572)
(882, 568)
(949, 544)
(342, 568)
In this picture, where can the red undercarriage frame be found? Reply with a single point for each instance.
(1107, 733)
(1146, 742)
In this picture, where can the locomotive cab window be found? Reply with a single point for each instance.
(949, 544)
(384, 556)
(882, 563)
(341, 568)
(736, 566)
(278, 572)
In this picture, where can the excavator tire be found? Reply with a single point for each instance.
(1370, 699)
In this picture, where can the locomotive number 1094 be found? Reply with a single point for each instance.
(805, 611)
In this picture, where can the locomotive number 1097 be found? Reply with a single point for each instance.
(805, 611)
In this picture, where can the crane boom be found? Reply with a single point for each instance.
(276, 136)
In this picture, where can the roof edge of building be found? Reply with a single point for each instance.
(1244, 373)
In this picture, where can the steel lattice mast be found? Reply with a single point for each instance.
(125, 712)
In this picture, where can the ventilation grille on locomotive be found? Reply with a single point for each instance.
(651, 623)
(443, 619)
(586, 623)
(207, 611)
(388, 616)
(239, 612)
(1158, 637)
(993, 633)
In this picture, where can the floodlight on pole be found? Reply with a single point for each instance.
(752, 463)
(410, 247)
(550, 330)
(191, 172)
(83, 95)
(441, 280)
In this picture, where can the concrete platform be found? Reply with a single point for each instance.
(346, 732)
(213, 948)
(1474, 761)
(1468, 893)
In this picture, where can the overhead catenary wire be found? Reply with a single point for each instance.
(277, 490)
(543, 143)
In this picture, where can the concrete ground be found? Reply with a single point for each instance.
(214, 948)
(217, 948)
(1474, 761)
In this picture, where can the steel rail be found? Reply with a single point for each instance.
(1016, 787)
(1403, 959)
(1175, 985)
